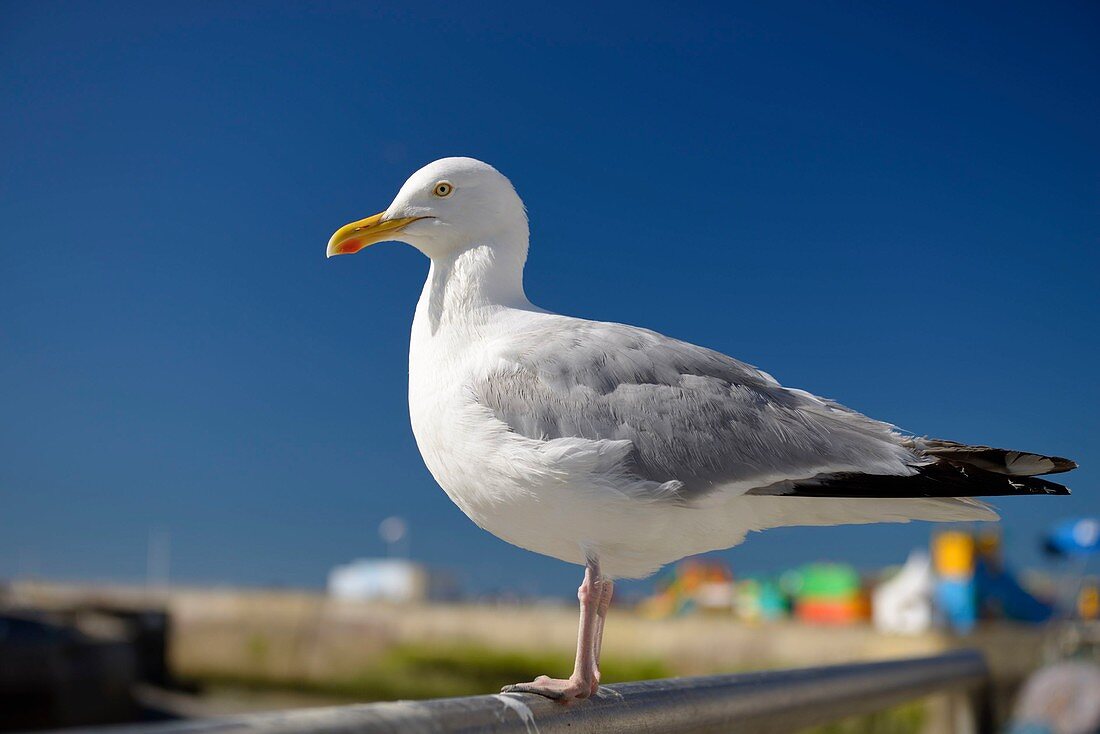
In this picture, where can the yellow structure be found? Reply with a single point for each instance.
(953, 554)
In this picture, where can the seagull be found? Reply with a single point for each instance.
(620, 449)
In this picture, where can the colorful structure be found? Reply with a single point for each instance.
(963, 580)
(1078, 541)
(827, 593)
(1088, 600)
(691, 584)
(759, 600)
(954, 556)
(1075, 538)
(1000, 593)
(973, 581)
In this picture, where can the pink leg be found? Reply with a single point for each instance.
(585, 679)
(607, 589)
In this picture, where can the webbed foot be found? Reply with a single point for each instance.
(559, 689)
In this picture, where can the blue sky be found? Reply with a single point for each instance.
(897, 206)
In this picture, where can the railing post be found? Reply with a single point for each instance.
(984, 711)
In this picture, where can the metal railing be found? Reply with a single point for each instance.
(774, 701)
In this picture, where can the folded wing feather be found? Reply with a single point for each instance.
(699, 421)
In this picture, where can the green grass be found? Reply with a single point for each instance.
(417, 671)
(907, 718)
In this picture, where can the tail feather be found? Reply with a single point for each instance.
(999, 461)
(771, 512)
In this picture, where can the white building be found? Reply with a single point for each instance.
(903, 605)
(379, 579)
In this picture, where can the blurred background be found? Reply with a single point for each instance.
(208, 483)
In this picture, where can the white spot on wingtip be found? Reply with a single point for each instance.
(515, 702)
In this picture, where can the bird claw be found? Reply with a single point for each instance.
(557, 689)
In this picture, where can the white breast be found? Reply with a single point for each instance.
(483, 467)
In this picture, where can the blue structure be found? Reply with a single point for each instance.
(1000, 594)
(1080, 537)
(957, 601)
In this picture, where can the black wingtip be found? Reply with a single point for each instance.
(941, 479)
(1061, 464)
(1050, 488)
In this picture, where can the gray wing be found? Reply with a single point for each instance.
(693, 416)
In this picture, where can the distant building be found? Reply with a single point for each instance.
(903, 605)
(389, 579)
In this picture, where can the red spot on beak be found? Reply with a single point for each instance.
(349, 246)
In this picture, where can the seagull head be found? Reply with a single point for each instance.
(446, 207)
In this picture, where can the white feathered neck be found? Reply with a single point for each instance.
(479, 277)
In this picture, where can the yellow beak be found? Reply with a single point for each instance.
(352, 238)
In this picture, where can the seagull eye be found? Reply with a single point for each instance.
(443, 189)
